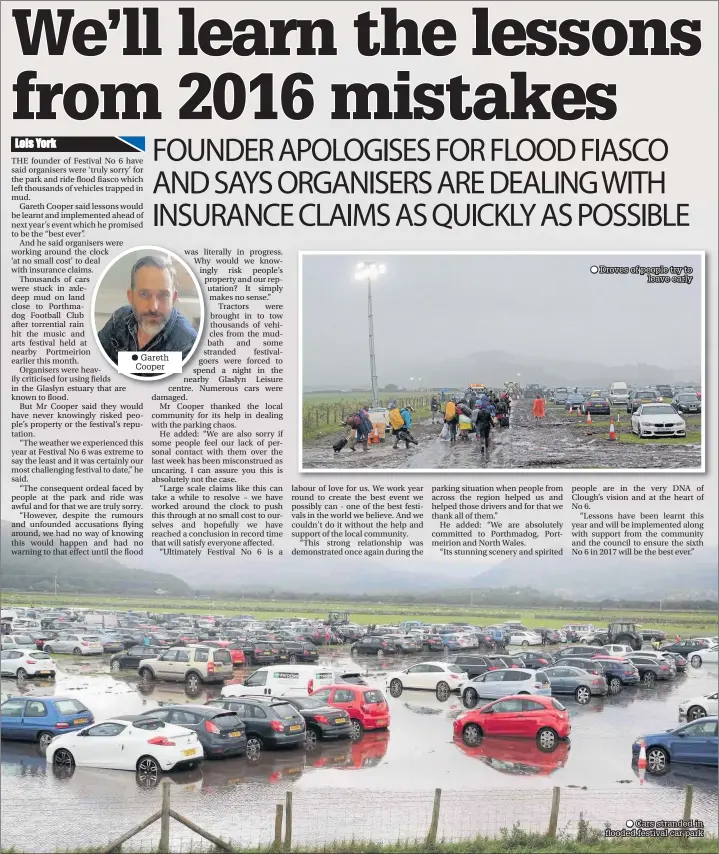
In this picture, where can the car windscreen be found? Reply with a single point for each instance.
(69, 707)
(657, 410)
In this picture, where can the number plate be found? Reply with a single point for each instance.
(236, 734)
(191, 751)
(80, 721)
(382, 722)
(44, 672)
(340, 720)
(295, 727)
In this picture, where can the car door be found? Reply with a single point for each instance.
(257, 681)
(164, 664)
(342, 698)
(11, 660)
(696, 743)
(11, 715)
(506, 718)
(184, 718)
(434, 674)
(415, 676)
(557, 679)
(102, 746)
(182, 663)
(34, 718)
(490, 684)
(61, 643)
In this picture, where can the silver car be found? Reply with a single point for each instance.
(506, 683)
(74, 644)
(572, 680)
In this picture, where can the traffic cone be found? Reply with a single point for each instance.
(589, 417)
(642, 761)
(612, 431)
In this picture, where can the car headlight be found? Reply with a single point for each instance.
(646, 423)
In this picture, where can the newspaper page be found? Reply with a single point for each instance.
(357, 417)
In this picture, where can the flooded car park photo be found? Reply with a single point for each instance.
(412, 757)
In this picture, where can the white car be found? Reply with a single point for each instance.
(704, 656)
(699, 707)
(145, 745)
(437, 676)
(618, 649)
(525, 639)
(658, 419)
(27, 662)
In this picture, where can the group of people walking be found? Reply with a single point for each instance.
(361, 426)
(472, 413)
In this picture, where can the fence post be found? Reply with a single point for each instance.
(164, 846)
(277, 845)
(288, 821)
(554, 814)
(434, 824)
(688, 798)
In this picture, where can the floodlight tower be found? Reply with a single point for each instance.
(370, 273)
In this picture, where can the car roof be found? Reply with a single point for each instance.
(185, 707)
(544, 700)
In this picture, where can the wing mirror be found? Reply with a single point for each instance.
(83, 733)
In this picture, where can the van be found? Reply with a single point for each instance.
(618, 393)
(282, 681)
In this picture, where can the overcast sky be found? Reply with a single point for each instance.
(540, 306)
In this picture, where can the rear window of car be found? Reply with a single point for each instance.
(454, 669)
(285, 711)
(69, 707)
(202, 654)
(228, 720)
(90, 638)
(40, 656)
(374, 697)
(557, 705)
(222, 656)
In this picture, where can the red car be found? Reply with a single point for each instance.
(542, 718)
(235, 650)
(366, 707)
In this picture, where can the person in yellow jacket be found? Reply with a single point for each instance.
(451, 419)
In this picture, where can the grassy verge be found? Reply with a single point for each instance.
(682, 622)
(623, 426)
(323, 414)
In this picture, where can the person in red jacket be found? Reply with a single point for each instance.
(538, 408)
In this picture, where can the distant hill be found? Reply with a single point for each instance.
(610, 577)
(78, 574)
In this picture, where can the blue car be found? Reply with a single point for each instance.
(694, 743)
(40, 719)
(451, 642)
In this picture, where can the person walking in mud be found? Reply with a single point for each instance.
(485, 422)
(434, 407)
(451, 419)
(402, 433)
(359, 433)
(538, 408)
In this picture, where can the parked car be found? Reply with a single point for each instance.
(301, 651)
(616, 650)
(433, 643)
(130, 659)
(699, 707)
(502, 683)
(542, 718)
(597, 404)
(525, 639)
(574, 401)
(75, 644)
(22, 663)
(476, 665)
(552, 635)
(323, 722)
(679, 661)
(653, 634)
(533, 660)
(17, 641)
(687, 402)
(693, 743)
(298, 680)
(703, 656)
(40, 719)
(640, 396)
(573, 680)
(137, 743)
(193, 665)
(560, 395)
(437, 676)
(651, 669)
(373, 645)
(269, 722)
(111, 644)
(220, 732)
(657, 419)
(685, 647)
(617, 672)
(366, 706)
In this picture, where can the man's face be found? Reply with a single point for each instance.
(152, 299)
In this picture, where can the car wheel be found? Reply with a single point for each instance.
(696, 712)
(21, 673)
(380, 653)
(115, 666)
(354, 650)
(146, 674)
(657, 760)
(43, 740)
(292, 658)
(356, 729)
(525, 644)
(148, 771)
(193, 683)
(471, 734)
(696, 661)
(582, 695)
(395, 688)
(547, 739)
(470, 698)
(48, 649)
(253, 748)
(77, 651)
(442, 691)
(311, 739)
(615, 685)
(649, 678)
(63, 759)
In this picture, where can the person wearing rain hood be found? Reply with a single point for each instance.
(538, 407)
(403, 434)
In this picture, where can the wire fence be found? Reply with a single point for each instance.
(316, 416)
(246, 817)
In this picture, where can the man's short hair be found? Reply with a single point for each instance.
(152, 261)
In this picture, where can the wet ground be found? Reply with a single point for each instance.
(395, 772)
(554, 442)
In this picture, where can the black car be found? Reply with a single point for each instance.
(258, 652)
(684, 647)
(130, 658)
(433, 643)
(474, 665)
(302, 651)
(220, 732)
(581, 651)
(598, 404)
(653, 634)
(373, 645)
(651, 669)
(322, 721)
(280, 651)
(500, 661)
(687, 403)
(269, 722)
(533, 660)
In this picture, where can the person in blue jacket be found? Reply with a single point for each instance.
(403, 434)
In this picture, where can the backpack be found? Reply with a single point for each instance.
(450, 411)
(396, 420)
(354, 421)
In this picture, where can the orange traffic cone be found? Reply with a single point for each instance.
(589, 417)
(642, 762)
(612, 431)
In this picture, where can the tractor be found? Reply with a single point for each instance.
(338, 618)
(621, 631)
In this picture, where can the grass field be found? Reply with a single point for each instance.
(323, 413)
(672, 622)
(623, 426)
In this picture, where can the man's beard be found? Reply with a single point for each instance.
(152, 324)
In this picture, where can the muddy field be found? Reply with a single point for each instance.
(395, 772)
(554, 442)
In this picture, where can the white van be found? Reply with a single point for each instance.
(618, 393)
(288, 680)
